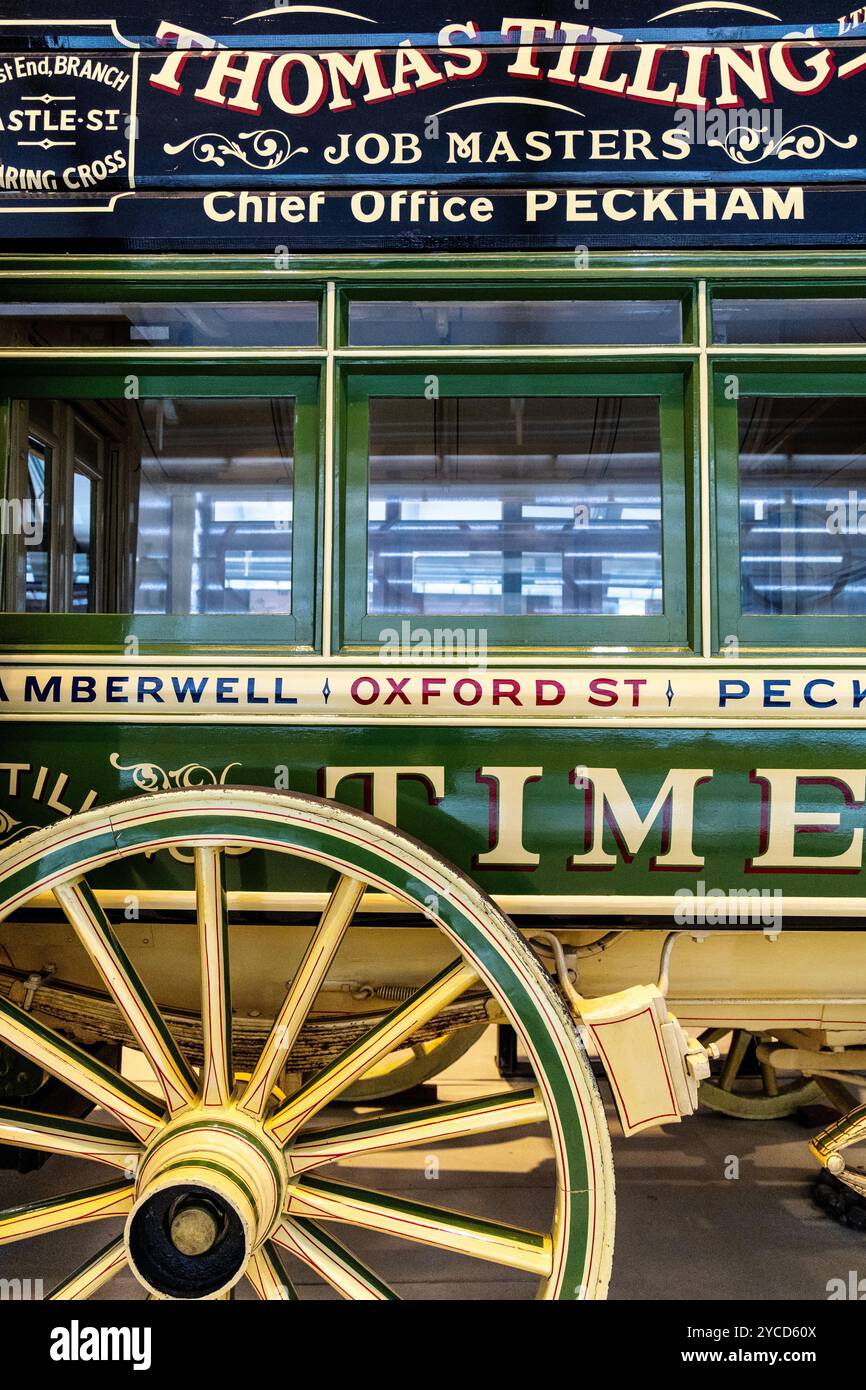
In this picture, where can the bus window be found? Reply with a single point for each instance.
(54, 498)
(802, 467)
(87, 504)
(515, 505)
(169, 506)
(292, 323)
(557, 322)
(213, 500)
(36, 555)
(782, 320)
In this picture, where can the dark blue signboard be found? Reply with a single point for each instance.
(246, 125)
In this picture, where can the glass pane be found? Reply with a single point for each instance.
(36, 527)
(276, 324)
(789, 321)
(176, 506)
(515, 505)
(375, 323)
(803, 505)
(214, 532)
(83, 491)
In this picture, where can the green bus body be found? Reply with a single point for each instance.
(578, 856)
(120, 759)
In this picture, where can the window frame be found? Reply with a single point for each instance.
(776, 378)
(357, 631)
(294, 632)
(64, 467)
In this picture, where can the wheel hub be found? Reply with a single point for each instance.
(209, 1191)
(196, 1224)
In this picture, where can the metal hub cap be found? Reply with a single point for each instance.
(195, 1225)
(210, 1189)
(185, 1242)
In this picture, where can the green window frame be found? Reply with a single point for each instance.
(773, 377)
(355, 629)
(294, 633)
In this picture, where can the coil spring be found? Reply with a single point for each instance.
(395, 994)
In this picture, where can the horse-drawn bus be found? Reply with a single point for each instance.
(434, 584)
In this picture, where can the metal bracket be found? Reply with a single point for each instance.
(653, 1067)
(34, 982)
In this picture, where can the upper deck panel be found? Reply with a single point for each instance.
(727, 125)
(94, 24)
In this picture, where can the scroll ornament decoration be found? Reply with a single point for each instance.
(150, 777)
(745, 145)
(11, 829)
(268, 149)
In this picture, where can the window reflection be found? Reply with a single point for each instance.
(515, 505)
(87, 500)
(802, 488)
(780, 320)
(37, 549)
(214, 525)
(180, 324)
(170, 506)
(446, 323)
(82, 541)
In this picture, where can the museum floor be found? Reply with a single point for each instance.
(684, 1229)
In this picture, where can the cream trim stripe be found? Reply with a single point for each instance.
(385, 691)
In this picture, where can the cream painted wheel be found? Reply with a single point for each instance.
(220, 1175)
(756, 1095)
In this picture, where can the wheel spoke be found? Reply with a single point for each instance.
(304, 987)
(267, 1276)
(55, 1134)
(74, 1209)
(770, 1078)
(398, 1025)
(430, 1124)
(735, 1058)
(216, 995)
(176, 1079)
(92, 1274)
(134, 1108)
(446, 1230)
(338, 1266)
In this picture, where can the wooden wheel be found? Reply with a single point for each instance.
(220, 1175)
(750, 1090)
